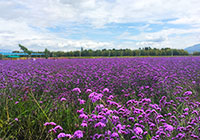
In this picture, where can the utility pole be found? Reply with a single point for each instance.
(81, 51)
(139, 51)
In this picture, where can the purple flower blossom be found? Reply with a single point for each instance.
(187, 93)
(58, 127)
(84, 116)
(81, 101)
(105, 90)
(77, 90)
(95, 96)
(88, 90)
(61, 135)
(80, 111)
(78, 134)
(138, 130)
(49, 123)
(84, 124)
(114, 135)
(168, 127)
(100, 124)
(16, 119)
(63, 99)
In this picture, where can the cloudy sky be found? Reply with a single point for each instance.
(97, 24)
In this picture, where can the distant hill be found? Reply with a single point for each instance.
(194, 48)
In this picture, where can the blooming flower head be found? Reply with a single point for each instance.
(63, 99)
(168, 127)
(138, 130)
(76, 90)
(80, 111)
(61, 135)
(84, 124)
(88, 90)
(95, 96)
(187, 93)
(49, 123)
(114, 134)
(105, 90)
(100, 124)
(81, 101)
(84, 116)
(16, 119)
(78, 134)
(58, 127)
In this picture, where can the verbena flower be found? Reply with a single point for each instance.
(76, 90)
(114, 134)
(95, 96)
(138, 130)
(168, 127)
(78, 134)
(187, 93)
(16, 119)
(81, 101)
(84, 124)
(49, 123)
(84, 116)
(100, 124)
(16, 102)
(63, 99)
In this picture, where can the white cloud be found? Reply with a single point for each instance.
(15, 33)
(173, 38)
(18, 17)
(99, 13)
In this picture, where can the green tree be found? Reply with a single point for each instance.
(25, 50)
(1, 56)
(47, 53)
(196, 53)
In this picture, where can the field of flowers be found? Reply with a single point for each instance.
(105, 98)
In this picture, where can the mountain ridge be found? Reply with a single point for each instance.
(194, 48)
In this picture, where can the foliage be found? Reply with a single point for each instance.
(147, 51)
(23, 48)
(1, 56)
(196, 53)
(46, 53)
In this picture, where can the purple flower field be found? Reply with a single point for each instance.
(106, 98)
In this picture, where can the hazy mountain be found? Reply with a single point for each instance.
(194, 48)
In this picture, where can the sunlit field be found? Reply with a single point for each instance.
(104, 98)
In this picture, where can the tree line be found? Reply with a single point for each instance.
(147, 51)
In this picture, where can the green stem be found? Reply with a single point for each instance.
(7, 113)
(39, 106)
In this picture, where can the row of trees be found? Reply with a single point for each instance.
(147, 51)
(196, 53)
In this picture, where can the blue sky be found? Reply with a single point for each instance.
(66, 25)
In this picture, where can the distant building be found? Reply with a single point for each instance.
(20, 54)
